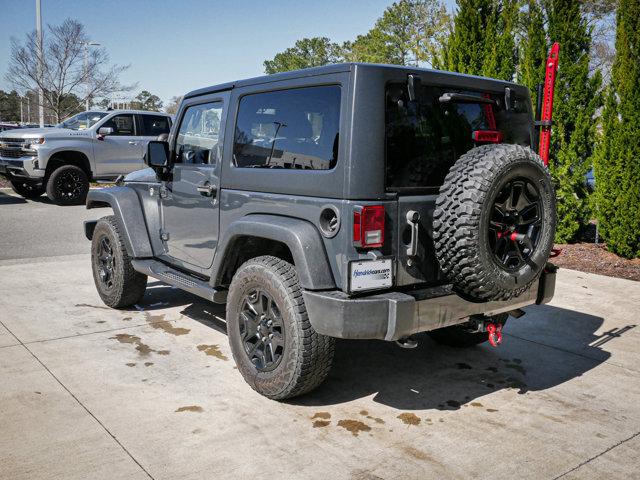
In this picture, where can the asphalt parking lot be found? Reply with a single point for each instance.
(90, 392)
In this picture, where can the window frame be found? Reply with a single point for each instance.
(221, 98)
(135, 124)
(142, 129)
(236, 115)
(429, 190)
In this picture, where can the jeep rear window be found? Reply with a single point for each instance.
(290, 129)
(424, 138)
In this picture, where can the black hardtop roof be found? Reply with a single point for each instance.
(332, 68)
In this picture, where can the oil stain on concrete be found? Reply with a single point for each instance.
(190, 408)
(354, 426)
(365, 413)
(212, 351)
(409, 418)
(159, 323)
(142, 348)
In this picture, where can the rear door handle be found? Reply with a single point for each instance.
(413, 218)
(207, 190)
(131, 142)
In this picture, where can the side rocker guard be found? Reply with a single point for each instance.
(302, 238)
(128, 212)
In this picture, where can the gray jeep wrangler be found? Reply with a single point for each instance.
(347, 201)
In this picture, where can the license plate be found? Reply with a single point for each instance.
(371, 274)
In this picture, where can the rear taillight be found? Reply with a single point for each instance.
(368, 226)
(487, 136)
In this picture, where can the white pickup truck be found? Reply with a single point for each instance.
(93, 145)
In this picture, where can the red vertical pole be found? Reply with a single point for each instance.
(547, 103)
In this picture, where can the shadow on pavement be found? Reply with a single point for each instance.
(438, 377)
(6, 199)
(533, 357)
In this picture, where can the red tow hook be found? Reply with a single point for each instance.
(495, 333)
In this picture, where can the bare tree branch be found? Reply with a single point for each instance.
(70, 74)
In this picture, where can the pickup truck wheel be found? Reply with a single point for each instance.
(118, 284)
(276, 349)
(458, 336)
(27, 189)
(68, 185)
(494, 222)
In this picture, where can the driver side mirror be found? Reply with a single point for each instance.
(157, 156)
(104, 131)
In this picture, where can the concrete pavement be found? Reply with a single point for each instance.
(39, 228)
(90, 392)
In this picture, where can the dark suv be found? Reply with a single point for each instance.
(347, 201)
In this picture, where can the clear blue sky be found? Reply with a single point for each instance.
(176, 46)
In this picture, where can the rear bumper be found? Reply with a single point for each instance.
(393, 315)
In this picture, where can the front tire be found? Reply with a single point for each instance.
(27, 189)
(274, 345)
(118, 284)
(68, 185)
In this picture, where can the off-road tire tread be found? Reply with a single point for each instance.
(456, 219)
(129, 285)
(308, 366)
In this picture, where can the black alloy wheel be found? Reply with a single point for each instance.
(262, 330)
(515, 224)
(106, 262)
(70, 184)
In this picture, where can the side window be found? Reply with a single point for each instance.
(198, 137)
(121, 124)
(154, 125)
(293, 129)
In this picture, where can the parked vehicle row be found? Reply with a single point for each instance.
(91, 146)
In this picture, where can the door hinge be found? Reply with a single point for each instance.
(164, 235)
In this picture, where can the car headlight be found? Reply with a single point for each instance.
(35, 142)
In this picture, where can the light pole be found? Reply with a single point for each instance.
(39, 46)
(86, 67)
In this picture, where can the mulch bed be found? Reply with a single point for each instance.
(592, 258)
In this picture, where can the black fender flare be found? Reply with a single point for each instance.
(128, 212)
(301, 237)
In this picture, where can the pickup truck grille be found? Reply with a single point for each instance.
(12, 140)
(16, 153)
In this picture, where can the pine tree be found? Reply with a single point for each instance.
(467, 44)
(576, 100)
(501, 54)
(482, 41)
(617, 164)
(534, 49)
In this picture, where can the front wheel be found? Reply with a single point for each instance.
(27, 189)
(276, 349)
(68, 185)
(118, 284)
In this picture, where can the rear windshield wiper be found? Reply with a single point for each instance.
(452, 97)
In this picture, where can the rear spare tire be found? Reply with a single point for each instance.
(494, 222)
